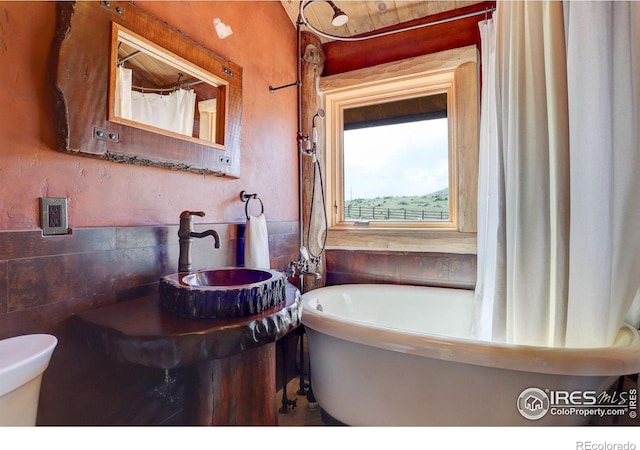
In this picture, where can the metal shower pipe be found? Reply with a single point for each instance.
(305, 3)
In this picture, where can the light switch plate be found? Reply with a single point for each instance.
(53, 216)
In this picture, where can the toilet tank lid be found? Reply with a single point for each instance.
(22, 358)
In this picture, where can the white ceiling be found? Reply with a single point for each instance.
(368, 15)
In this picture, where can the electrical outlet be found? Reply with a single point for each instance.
(53, 216)
(225, 160)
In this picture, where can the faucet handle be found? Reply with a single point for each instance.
(188, 214)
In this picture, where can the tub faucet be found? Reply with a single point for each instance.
(297, 271)
(302, 267)
(185, 238)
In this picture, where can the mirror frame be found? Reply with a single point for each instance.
(82, 48)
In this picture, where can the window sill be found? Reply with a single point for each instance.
(437, 241)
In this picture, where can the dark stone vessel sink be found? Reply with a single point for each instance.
(227, 277)
(222, 293)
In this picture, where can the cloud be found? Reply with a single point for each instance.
(396, 160)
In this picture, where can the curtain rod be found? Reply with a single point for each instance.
(143, 89)
(303, 21)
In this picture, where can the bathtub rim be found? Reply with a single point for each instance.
(616, 360)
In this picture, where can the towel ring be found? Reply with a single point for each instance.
(246, 198)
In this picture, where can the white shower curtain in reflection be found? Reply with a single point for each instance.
(564, 268)
(174, 111)
(122, 104)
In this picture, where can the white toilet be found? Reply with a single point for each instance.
(23, 360)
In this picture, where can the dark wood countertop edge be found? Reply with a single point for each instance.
(172, 350)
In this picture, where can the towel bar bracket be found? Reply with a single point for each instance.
(246, 198)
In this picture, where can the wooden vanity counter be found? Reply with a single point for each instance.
(231, 363)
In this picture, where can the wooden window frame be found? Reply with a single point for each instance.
(452, 71)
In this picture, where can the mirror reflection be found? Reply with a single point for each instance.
(153, 89)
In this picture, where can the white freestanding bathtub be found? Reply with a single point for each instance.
(403, 355)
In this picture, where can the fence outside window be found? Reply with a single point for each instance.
(357, 212)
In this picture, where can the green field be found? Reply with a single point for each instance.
(433, 206)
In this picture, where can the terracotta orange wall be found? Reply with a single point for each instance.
(110, 194)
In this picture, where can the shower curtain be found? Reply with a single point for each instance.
(558, 225)
(174, 111)
(490, 282)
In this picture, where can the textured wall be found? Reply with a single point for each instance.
(110, 194)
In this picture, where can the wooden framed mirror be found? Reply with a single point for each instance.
(97, 42)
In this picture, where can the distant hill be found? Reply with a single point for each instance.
(433, 206)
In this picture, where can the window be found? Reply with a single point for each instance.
(401, 154)
(396, 162)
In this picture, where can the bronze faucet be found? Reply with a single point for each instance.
(186, 235)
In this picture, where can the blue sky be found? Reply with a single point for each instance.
(396, 160)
